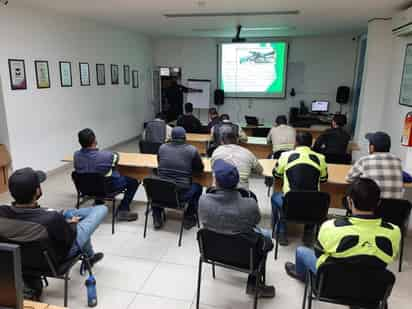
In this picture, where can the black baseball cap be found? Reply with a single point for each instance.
(24, 182)
(381, 141)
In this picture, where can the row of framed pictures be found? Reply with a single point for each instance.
(18, 78)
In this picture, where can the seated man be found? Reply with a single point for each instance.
(300, 169)
(177, 161)
(224, 210)
(381, 166)
(362, 238)
(189, 122)
(157, 130)
(333, 141)
(213, 118)
(68, 231)
(243, 159)
(282, 137)
(216, 133)
(89, 159)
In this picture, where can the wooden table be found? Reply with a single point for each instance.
(315, 130)
(257, 145)
(34, 305)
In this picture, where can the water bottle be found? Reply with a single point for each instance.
(91, 291)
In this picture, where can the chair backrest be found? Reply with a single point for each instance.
(149, 147)
(91, 184)
(240, 250)
(395, 211)
(353, 284)
(345, 158)
(161, 192)
(306, 206)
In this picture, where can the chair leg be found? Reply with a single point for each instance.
(146, 218)
(113, 215)
(78, 201)
(66, 288)
(199, 280)
(305, 294)
(276, 245)
(401, 253)
(181, 231)
(256, 292)
(213, 271)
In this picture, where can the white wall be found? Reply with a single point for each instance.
(328, 63)
(43, 123)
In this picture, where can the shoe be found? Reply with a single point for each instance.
(96, 258)
(189, 222)
(127, 216)
(291, 271)
(283, 239)
(157, 222)
(266, 291)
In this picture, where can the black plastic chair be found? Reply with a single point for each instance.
(241, 252)
(396, 211)
(303, 207)
(149, 147)
(163, 194)
(39, 260)
(345, 158)
(270, 181)
(98, 187)
(349, 285)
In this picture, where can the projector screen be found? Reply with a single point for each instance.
(253, 69)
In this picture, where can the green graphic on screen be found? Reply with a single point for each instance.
(253, 69)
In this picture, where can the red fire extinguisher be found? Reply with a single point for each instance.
(407, 131)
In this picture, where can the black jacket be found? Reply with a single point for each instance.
(332, 141)
(190, 123)
(26, 225)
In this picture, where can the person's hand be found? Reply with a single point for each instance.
(74, 220)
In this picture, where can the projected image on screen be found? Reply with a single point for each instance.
(253, 69)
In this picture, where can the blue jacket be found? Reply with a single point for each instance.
(96, 161)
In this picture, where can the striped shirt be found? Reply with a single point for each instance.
(382, 167)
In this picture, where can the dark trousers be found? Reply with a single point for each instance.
(131, 185)
(190, 195)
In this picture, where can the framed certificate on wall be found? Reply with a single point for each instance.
(42, 74)
(18, 78)
(135, 79)
(101, 74)
(114, 68)
(65, 68)
(126, 74)
(84, 74)
(405, 97)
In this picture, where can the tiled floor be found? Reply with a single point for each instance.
(154, 273)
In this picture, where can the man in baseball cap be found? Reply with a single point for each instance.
(228, 210)
(380, 165)
(68, 231)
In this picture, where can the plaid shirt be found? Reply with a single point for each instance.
(385, 169)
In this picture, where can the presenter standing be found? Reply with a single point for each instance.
(174, 97)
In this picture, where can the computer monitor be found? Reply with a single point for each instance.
(11, 285)
(319, 106)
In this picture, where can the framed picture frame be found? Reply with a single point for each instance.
(65, 68)
(42, 74)
(135, 79)
(405, 95)
(114, 70)
(101, 74)
(18, 77)
(84, 70)
(126, 74)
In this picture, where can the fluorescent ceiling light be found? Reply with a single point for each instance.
(275, 28)
(217, 14)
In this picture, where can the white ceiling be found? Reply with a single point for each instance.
(146, 16)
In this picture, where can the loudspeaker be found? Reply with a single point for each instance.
(342, 95)
(219, 97)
